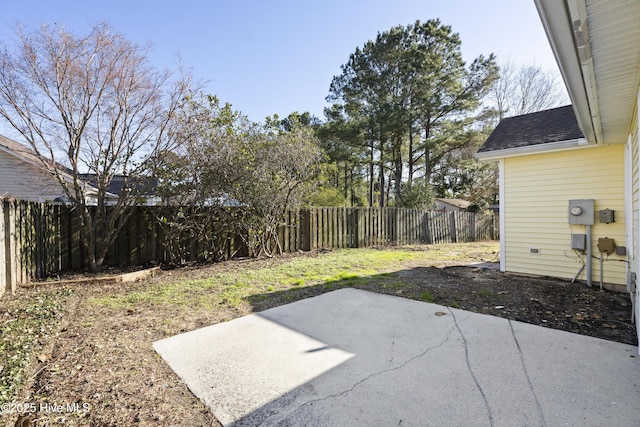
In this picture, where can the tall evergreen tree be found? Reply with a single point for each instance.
(413, 95)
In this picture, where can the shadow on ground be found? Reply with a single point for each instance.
(546, 302)
(350, 357)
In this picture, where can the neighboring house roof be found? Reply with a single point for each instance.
(25, 153)
(523, 133)
(117, 183)
(458, 203)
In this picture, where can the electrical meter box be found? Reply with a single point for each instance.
(581, 212)
(607, 216)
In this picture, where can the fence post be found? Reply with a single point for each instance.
(305, 229)
(452, 225)
(360, 227)
(396, 226)
(310, 229)
(4, 283)
(10, 246)
(297, 232)
(288, 231)
(348, 224)
(77, 254)
(474, 225)
(426, 227)
(391, 224)
(345, 226)
(339, 227)
(493, 226)
(36, 230)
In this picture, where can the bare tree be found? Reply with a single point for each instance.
(526, 89)
(235, 177)
(89, 105)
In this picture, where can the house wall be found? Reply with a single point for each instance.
(634, 153)
(23, 181)
(537, 189)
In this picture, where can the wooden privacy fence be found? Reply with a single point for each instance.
(364, 227)
(39, 240)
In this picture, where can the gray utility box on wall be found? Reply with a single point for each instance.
(581, 212)
(607, 216)
(579, 241)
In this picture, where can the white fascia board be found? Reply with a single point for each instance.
(628, 197)
(550, 147)
(556, 17)
(12, 153)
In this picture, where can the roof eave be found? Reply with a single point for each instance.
(558, 19)
(67, 177)
(550, 147)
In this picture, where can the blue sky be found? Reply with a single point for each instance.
(279, 56)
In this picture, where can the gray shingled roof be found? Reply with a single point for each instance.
(542, 127)
(117, 183)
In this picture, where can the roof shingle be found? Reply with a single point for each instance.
(542, 127)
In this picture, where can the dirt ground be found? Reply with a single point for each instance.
(550, 303)
(101, 370)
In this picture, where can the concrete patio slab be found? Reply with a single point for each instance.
(355, 358)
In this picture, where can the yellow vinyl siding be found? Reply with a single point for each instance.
(536, 198)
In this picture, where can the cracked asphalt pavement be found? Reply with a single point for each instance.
(352, 357)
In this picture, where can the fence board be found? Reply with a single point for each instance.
(286, 228)
(39, 240)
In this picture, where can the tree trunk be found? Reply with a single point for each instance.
(346, 181)
(410, 164)
(381, 169)
(398, 171)
(352, 189)
(388, 192)
(371, 175)
(90, 241)
(427, 165)
(427, 152)
(382, 183)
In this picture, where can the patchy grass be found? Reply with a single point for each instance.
(25, 325)
(485, 293)
(426, 297)
(233, 287)
(94, 347)
(100, 353)
(339, 268)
